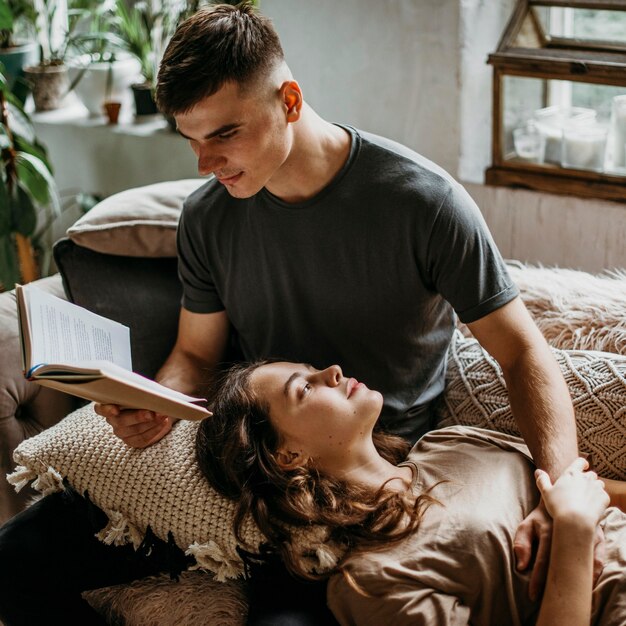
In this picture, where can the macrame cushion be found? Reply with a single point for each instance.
(476, 395)
(159, 486)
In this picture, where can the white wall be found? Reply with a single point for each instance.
(554, 230)
(415, 71)
(386, 66)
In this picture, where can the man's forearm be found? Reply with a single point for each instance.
(185, 373)
(543, 409)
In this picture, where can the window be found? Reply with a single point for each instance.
(560, 99)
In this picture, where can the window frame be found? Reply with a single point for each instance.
(585, 64)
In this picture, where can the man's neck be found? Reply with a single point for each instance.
(319, 150)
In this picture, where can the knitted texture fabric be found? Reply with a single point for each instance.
(476, 395)
(160, 486)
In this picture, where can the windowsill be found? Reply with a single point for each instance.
(76, 115)
(92, 156)
(557, 180)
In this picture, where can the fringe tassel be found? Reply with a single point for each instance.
(315, 549)
(327, 558)
(20, 477)
(46, 482)
(210, 556)
(119, 531)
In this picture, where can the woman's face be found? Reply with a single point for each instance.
(319, 414)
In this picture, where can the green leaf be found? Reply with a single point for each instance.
(34, 177)
(5, 141)
(6, 16)
(5, 210)
(36, 149)
(24, 213)
(9, 268)
(19, 122)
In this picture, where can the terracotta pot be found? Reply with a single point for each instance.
(93, 76)
(50, 85)
(112, 110)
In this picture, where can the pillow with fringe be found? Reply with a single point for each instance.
(159, 487)
(476, 395)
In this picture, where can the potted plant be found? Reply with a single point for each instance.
(48, 78)
(59, 35)
(17, 48)
(146, 31)
(111, 105)
(141, 30)
(103, 71)
(27, 191)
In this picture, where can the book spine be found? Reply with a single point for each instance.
(30, 374)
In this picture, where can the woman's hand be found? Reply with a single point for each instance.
(576, 502)
(577, 496)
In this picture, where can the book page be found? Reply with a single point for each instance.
(62, 332)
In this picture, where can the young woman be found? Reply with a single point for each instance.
(429, 537)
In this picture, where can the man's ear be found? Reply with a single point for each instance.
(291, 95)
(289, 459)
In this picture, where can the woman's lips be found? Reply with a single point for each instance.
(353, 385)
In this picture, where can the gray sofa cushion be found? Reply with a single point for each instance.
(142, 293)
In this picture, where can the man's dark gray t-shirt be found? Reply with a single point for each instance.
(366, 274)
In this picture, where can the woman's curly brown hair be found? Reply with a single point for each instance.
(236, 450)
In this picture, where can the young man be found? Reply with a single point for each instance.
(320, 243)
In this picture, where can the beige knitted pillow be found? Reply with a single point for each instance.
(476, 396)
(159, 486)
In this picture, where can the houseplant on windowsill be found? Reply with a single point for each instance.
(59, 36)
(141, 31)
(28, 193)
(48, 78)
(146, 31)
(103, 71)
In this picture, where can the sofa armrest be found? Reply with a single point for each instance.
(25, 407)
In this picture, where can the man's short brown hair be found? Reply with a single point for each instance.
(216, 45)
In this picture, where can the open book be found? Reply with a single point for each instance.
(76, 351)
